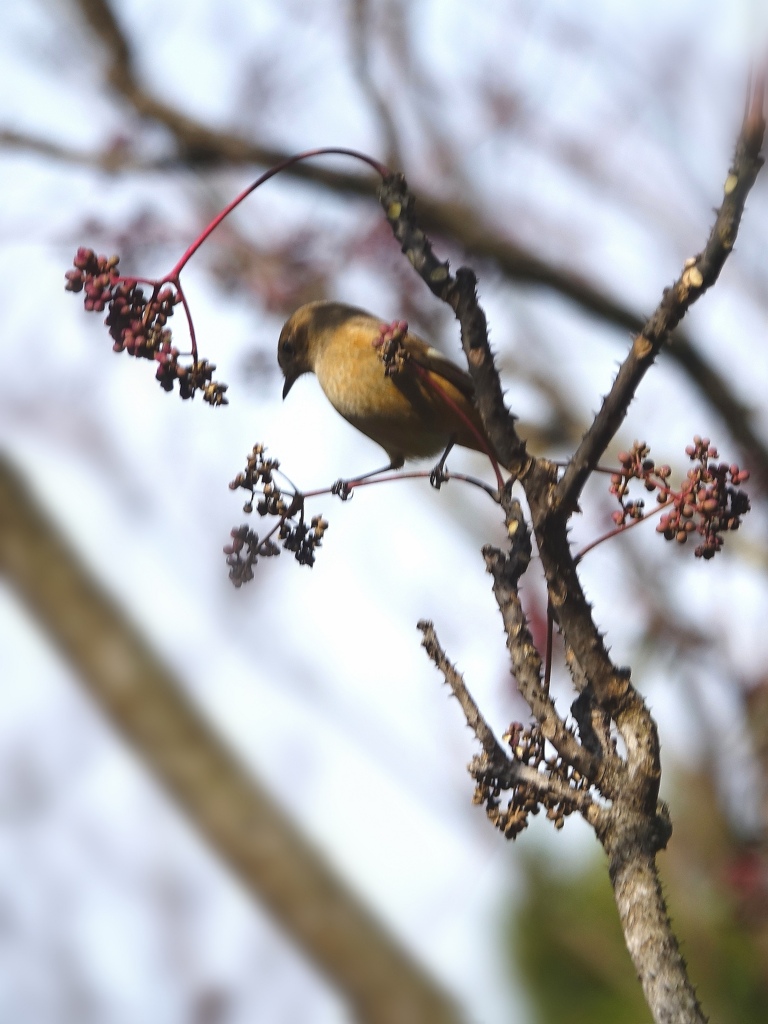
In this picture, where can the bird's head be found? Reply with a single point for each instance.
(305, 333)
(294, 354)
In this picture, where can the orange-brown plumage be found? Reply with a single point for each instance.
(413, 414)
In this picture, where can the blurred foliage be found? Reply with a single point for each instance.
(568, 946)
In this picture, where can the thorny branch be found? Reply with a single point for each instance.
(699, 274)
(558, 787)
(459, 293)
(506, 570)
(635, 825)
(475, 720)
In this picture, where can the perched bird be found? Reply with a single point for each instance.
(421, 409)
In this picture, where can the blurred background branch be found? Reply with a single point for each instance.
(226, 804)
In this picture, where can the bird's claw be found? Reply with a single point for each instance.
(439, 476)
(342, 489)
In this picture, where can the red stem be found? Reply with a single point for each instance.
(326, 151)
(621, 529)
(416, 474)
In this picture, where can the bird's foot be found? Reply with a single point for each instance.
(343, 489)
(440, 474)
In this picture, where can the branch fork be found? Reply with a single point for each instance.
(550, 763)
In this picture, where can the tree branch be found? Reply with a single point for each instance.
(636, 825)
(459, 293)
(506, 571)
(495, 766)
(646, 925)
(699, 274)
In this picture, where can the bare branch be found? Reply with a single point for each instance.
(699, 274)
(647, 929)
(361, 32)
(107, 160)
(495, 767)
(635, 826)
(455, 680)
(526, 660)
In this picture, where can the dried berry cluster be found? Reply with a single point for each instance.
(244, 551)
(708, 502)
(138, 325)
(393, 353)
(294, 534)
(260, 473)
(528, 747)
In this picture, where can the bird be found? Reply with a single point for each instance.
(421, 409)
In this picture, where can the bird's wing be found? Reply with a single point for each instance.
(434, 361)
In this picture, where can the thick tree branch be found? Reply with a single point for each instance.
(631, 847)
(230, 810)
(611, 686)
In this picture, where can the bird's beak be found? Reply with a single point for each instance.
(289, 382)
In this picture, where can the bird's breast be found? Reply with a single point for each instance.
(404, 414)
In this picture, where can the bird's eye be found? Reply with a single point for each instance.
(289, 350)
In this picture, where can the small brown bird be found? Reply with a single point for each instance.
(418, 411)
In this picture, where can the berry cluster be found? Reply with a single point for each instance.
(138, 325)
(294, 534)
(244, 551)
(390, 341)
(528, 747)
(709, 501)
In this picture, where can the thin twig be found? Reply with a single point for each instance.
(362, 33)
(455, 680)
